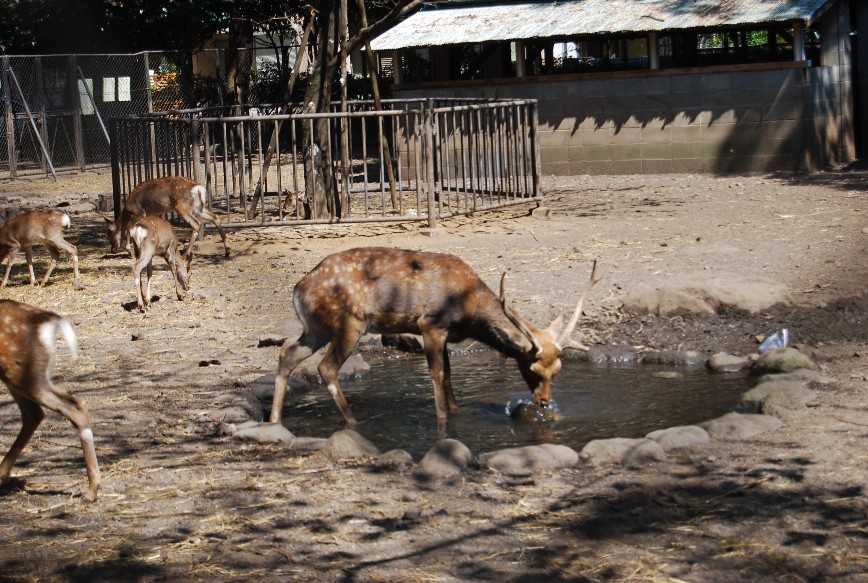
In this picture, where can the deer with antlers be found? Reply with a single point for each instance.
(158, 197)
(438, 296)
(27, 343)
(39, 226)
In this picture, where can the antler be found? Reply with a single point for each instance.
(515, 318)
(568, 330)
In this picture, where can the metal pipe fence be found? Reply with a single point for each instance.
(411, 160)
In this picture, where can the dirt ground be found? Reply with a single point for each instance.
(181, 501)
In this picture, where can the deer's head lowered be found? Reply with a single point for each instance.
(539, 360)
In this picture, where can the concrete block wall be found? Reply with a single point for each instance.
(779, 116)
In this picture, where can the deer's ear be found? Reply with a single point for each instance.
(556, 325)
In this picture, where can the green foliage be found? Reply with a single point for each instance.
(269, 84)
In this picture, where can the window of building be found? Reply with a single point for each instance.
(733, 46)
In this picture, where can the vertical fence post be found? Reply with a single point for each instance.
(148, 90)
(10, 119)
(43, 123)
(428, 158)
(534, 148)
(116, 166)
(195, 139)
(77, 121)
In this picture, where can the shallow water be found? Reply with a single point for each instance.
(394, 403)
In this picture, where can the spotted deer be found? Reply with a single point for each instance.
(392, 291)
(153, 236)
(40, 226)
(27, 344)
(158, 197)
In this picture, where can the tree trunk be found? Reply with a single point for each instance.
(300, 59)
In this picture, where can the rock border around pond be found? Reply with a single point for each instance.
(783, 394)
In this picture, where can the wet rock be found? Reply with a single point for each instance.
(533, 413)
(621, 450)
(595, 354)
(445, 459)
(354, 367)
(674, 357)
(683, 436)
(736, 426)
(723, 362)
(265, 433)
(349, 443)
(601, 354)
(781, 360)
(527, 460)
(404, 342)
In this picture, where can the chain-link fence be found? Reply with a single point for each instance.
(54, 109)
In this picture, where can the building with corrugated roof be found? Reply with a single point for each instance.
(627, 86)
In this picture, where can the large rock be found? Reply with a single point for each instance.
(698, 293)
(784, 399)
(530, 459)
(445, 459)
(621, 450)
(779, 360)
(264, 433)
(723, 362)
(736, 426)
(238, 406)
(349, 443)
(683, 436)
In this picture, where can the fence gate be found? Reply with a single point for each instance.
(411, 160)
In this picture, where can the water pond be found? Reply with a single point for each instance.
(394, 403)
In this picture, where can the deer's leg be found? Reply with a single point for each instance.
(215, 220)
(435, 349)
(12, 252)
(69, 248)
(451, 403)
(73, 409)
(140, 264)
(28, 256)
(150, 274)
(55, 255)
(290, 356)
(31, 416)
(172, 261)
(197, 227)
(329, 368)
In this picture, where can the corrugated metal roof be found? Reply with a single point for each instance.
(445, 25)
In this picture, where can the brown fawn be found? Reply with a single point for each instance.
(390, 291)
(158, 197)
(39, 226)
(153, 236)
(296, 204)
(27, 344)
